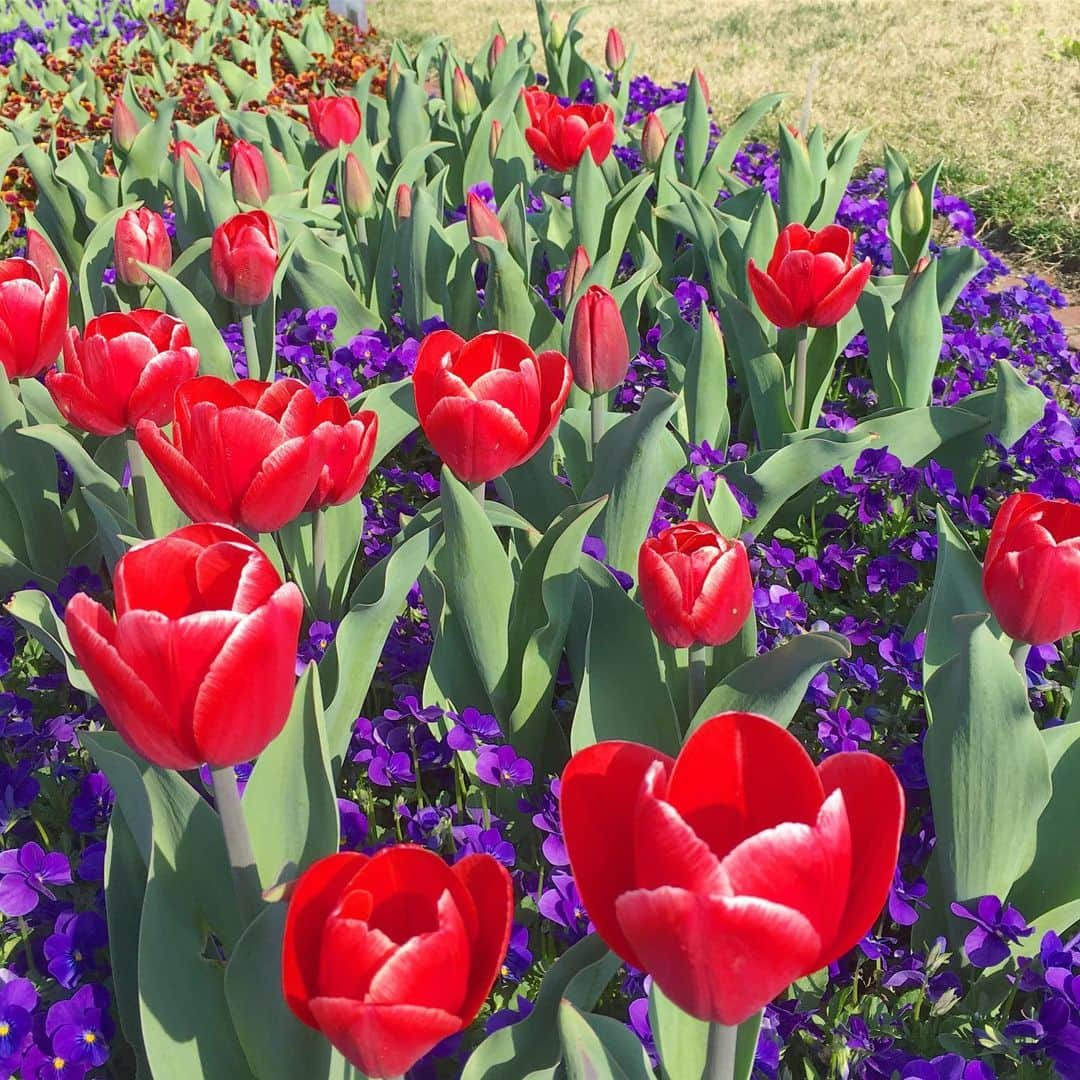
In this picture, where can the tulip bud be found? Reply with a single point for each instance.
(402, 203)
(482, 221)
(247, 171)
(125, 126)
(41, 253)
(244, 257)
(498, 46)
(464, 94)
(393, 77)
(140, 236)
(912, 210)
(185, 153)
(700, 76)
(614, 50)
(557, 34)
(358, 195)
(494, 139)
(599, 352)
(653, 139)
(575, 274)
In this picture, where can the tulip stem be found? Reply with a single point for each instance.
(720, 1059)
(245, 874)
(251, 348)
(478, 491)
(798, 389)
(321, 599)
(139, 492)
(698, 656)
(598, 417)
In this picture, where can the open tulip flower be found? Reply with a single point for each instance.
(560, 134)
(488, 404)
(199, 664)
(1031, 575)
(33, 318)
(334, 120)
(122, 369)
(695, 585)
(258, 454)
(389, 955)
(809, 280)
(738, 867)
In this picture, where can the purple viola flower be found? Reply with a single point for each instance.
(470, 728)
(501, 765)
(320, 637)
(80, 1027)
(561, 903)
(16, 716)
(519, 957)
(27, 874)
(353, 824)
(997, 928)
(18, 999)
(503, 1018)
(905, 898)
(91, 808)
(7, 645)
(546, 819)
(71, 949)
(92, 863)
(840, 731)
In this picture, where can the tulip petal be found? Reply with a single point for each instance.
(436, 353)
(600, 789)
(281, 488)
(80, 407)
(316, 895)
(382, 1041)
(488, 883)
(740, 774)
(719, 959)
(350, 953)
(153, 396)
(774, 305)
(245, 697)
(725, 597)
(184, 483)
(836, 304)
(834, 239)
(874, 801)
(478, 440)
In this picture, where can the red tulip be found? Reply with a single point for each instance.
(560, 134)
(244, 257)
(334, 120)
(125, 125)
(703, 83)
(481, 220)
(599, 352)
(185, 153)
(33, 318)
(614, 50)
(123, 369)
(494, 138)
(809, 280)
(653, 140)
(391, 954)
(495, 50)
(140, 236)
(735, 869)
(402, 203)
(695, 585)
(247, 170)
(463, 93)
(257, 454)
(42, 254)
(1031, 575)
(488, 404)
(576, 270)
(200, 664)
(359, 198)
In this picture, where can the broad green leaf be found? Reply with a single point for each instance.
(600, 1047)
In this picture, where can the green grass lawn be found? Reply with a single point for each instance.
(992, 86)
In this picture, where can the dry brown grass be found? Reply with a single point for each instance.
(990, 85)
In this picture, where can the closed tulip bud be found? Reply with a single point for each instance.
(464, 94)
(913, 210)
(717, 871)
(482, 221)
(186, 153)
(393, 77)
(810, 279)
(703, 83)
(496, 49)
(359, 198)
(334, 120)
(42, 254)
(258, 454)
(1031, 575)
(487, 405)
(653, 140)
(599, 352)
(125, 126)
(695, 585)
(614, 50)
(123, 368)
(33, 317)
(199, 664)
(578, 267)
(247, 170)
(494, 139)
(402, 203)
(244, 257)
(557, 34)
(388, 955)
(921, 264)
(140, 236)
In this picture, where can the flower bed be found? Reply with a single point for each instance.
(860, 505)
